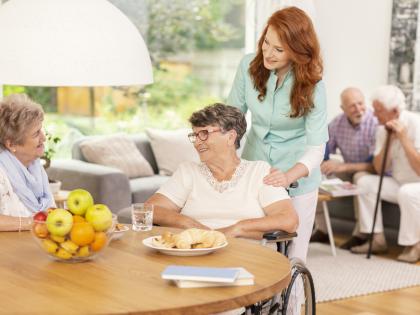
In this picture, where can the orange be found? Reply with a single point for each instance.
(99, 242)
(82, 233)
(78, 219)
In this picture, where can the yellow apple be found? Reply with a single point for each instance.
(59, 222)
(99, 216)
(79, 200)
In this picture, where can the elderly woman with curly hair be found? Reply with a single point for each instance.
(24, 187)
(222, 192)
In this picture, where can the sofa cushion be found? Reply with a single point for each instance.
(171, 148)
(118, 151)
(144, 187)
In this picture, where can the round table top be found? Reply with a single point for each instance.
(125, 278)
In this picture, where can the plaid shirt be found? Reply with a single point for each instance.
(356, 144)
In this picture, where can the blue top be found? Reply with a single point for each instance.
(274, 136)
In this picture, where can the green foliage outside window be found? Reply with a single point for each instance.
(171, 28)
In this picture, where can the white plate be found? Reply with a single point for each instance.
(181, 252)
(118, 234)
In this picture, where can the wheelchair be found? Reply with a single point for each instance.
(301, 281)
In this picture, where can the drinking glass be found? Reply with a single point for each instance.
(142, 216)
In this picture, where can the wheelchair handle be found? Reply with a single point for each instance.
(279, 235)
(294, 185)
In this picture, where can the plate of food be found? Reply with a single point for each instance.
(120, 229)
(191, 242)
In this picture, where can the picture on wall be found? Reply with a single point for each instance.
(402, 69)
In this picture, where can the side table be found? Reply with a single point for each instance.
(323, 199)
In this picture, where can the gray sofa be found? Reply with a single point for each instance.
(113, 188)
(107, 185)
(343, 220)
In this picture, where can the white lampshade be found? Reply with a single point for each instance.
(70, 43)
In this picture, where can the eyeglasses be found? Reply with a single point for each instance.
(203, 135)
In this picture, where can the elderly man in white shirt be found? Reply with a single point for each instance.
(403, 186)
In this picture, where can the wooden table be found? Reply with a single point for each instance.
(126, 279)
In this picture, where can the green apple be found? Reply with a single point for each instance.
(59, 222)
(99, 216)
(79, 200)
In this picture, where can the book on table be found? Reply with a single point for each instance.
(338, 188)
(194, 277)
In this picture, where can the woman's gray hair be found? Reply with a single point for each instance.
(225, 116)
(17, 112)
(390, 96)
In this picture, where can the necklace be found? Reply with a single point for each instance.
(221, 186)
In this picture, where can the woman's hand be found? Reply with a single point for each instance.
(231, 230)
(276, 178)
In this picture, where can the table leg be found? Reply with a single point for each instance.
(329, 229)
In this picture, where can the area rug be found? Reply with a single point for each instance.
(349, 275)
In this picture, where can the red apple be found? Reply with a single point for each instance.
(40, 216)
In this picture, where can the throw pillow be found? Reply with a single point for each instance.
(171, 148)
(118, 151)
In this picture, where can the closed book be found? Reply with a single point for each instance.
(210, 274)
(244, 278)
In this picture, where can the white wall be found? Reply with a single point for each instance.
(354, 36)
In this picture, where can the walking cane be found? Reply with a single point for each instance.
(378, 196)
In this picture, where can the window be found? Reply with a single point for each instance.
(195, 46)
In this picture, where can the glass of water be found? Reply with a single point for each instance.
(142, 216)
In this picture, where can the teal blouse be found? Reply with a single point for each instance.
(274, 137)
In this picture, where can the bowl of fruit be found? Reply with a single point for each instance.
(76, 234)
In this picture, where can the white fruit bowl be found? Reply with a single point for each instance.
(74, 246)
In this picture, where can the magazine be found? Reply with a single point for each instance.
(338, 188)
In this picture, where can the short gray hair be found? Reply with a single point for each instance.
(390, 96)
(17, 112)
(225, 116)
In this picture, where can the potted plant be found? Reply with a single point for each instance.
(50, 146)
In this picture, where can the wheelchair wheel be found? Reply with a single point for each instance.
(301, 285)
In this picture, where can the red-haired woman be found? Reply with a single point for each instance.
(281, 85)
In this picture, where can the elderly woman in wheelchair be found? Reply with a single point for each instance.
(222, 192)
(227, 193)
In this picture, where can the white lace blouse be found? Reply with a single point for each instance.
(218, 204)
(9, 201)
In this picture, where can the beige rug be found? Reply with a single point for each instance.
(349, 275)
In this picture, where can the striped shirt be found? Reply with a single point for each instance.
(356, 144)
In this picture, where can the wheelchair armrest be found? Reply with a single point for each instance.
(278, 236)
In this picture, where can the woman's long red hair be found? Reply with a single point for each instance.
(297, 34)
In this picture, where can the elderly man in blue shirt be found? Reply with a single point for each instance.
(353, 133)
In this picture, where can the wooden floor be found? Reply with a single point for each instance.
(398, 302)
